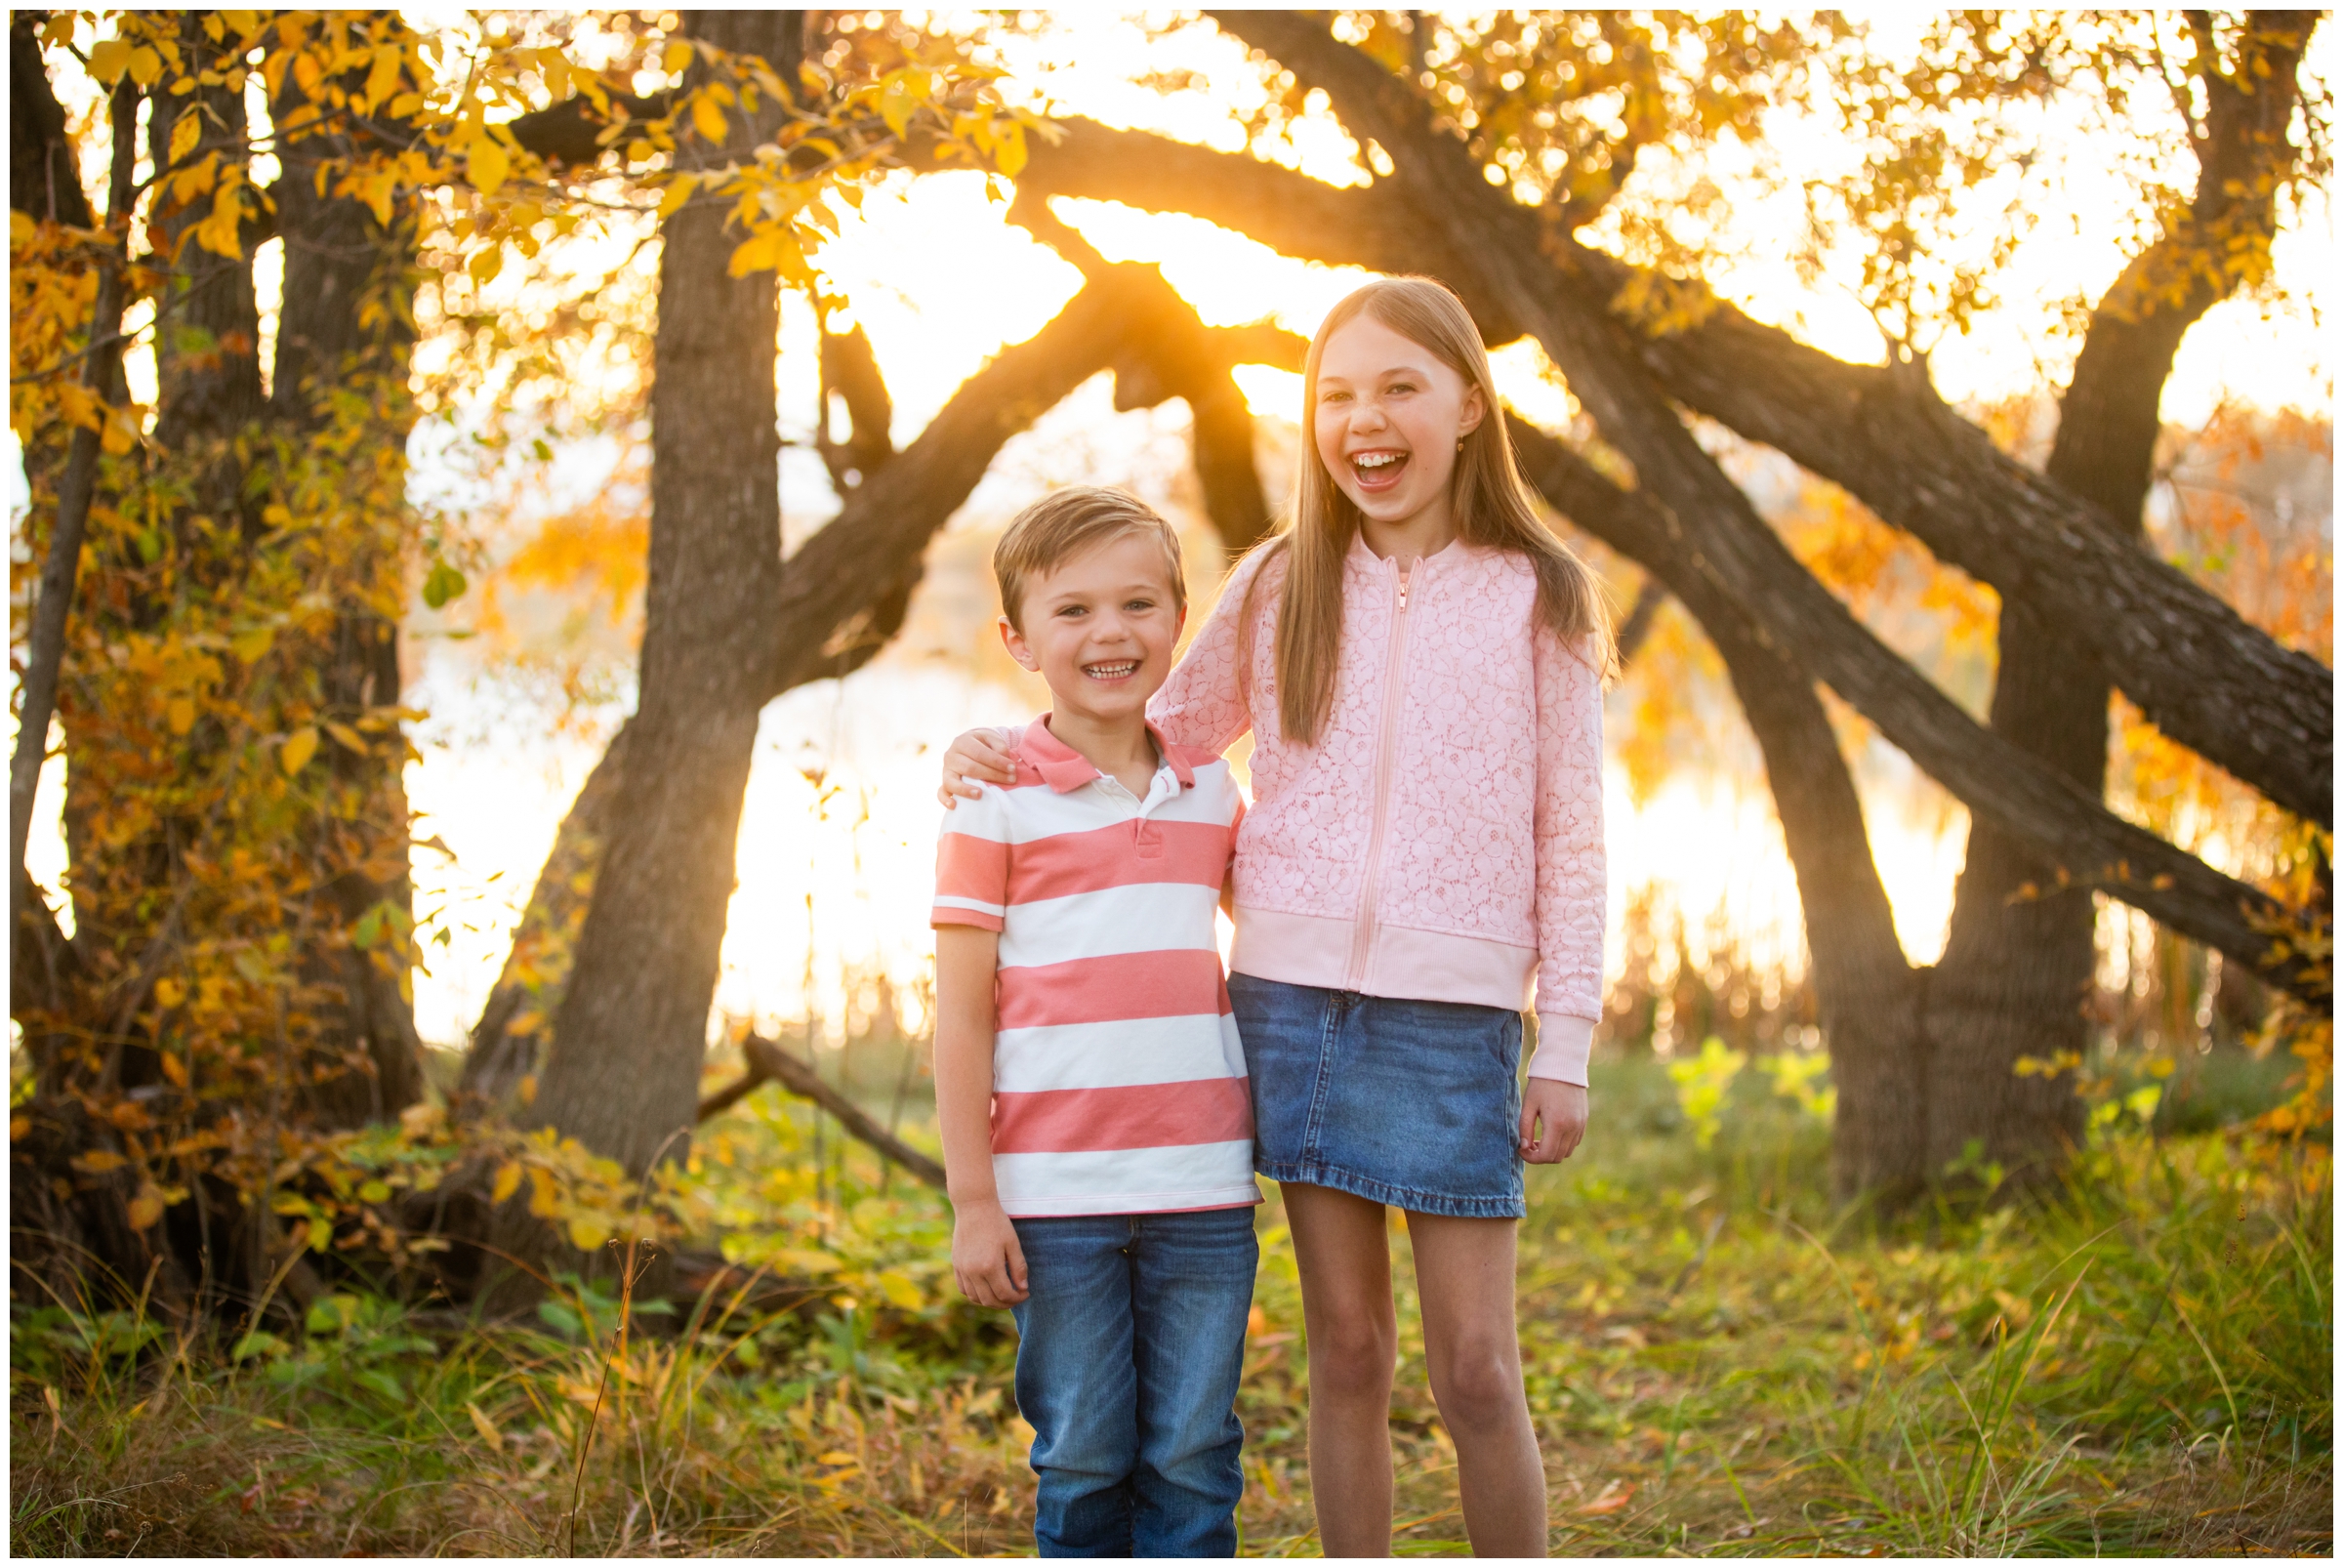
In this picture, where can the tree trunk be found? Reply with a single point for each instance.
(622, 1073)
(1869, 995)
(507, 1044)
(2017, 973)
(43, 183)
(843, 594)
(346, 328)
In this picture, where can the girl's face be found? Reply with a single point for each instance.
(1388, 418)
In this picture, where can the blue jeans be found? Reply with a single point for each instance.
(1132, 1343)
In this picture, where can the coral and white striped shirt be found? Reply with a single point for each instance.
(1118, 1079)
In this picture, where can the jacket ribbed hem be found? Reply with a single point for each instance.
(1421, 966)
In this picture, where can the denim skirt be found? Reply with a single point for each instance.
(1412, 1103)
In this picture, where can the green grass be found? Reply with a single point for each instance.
(1719, 1360)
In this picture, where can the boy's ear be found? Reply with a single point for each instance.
(1014, 640)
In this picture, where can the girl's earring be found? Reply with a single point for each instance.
(1459, 444)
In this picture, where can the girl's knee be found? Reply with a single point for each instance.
(1478, 1388)
(1353, 1354)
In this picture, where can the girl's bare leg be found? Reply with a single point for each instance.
(1341, 1243)
(1464, 1281)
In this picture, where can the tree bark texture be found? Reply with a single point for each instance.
(344, 315)
(2211, 680)
(43, 183)
(2016, 976)
(622, 1073)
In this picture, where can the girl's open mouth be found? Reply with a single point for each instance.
(1378, 470)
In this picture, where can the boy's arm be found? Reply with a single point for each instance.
(986, 1258)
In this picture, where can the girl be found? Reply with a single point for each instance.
(1421, 663)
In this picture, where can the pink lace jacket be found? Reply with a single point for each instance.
(1443, 840)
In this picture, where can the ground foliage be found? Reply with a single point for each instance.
(1717, 1358)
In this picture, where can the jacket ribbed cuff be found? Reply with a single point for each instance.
(1564, 1043)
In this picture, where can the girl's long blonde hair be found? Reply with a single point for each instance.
(1485, 496)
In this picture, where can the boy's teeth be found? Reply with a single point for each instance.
(1110, 672)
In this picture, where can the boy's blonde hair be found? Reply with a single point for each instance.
(1064, 523)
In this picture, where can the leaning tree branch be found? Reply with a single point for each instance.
(844, 591)
(2083, 841)
(2208, 678)
(769, 1064)
(2202, 673)
(872, 547)
(1712, 523)
(1186, 359)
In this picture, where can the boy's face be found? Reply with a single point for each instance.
(1101, 629)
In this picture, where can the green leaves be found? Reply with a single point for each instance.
(442, 585)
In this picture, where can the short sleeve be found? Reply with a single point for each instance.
(972, 863)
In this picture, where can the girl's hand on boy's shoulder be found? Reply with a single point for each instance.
(1553, 1117)
(977, 757)
(987, 1258)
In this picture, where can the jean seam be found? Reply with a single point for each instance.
(1330, 1029)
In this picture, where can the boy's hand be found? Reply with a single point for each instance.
(986, 1258)
(1553, 1117)
(977, 757)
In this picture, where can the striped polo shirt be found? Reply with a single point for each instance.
(1118, 1080)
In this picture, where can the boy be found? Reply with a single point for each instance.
(1090, 1085)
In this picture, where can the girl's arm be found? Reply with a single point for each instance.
(1200, 703)
(1572, 887)
(1203, 704)
(977, 757)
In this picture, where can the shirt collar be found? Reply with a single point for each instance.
(1064, 769)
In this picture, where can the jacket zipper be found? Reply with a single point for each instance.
(1362, 935)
